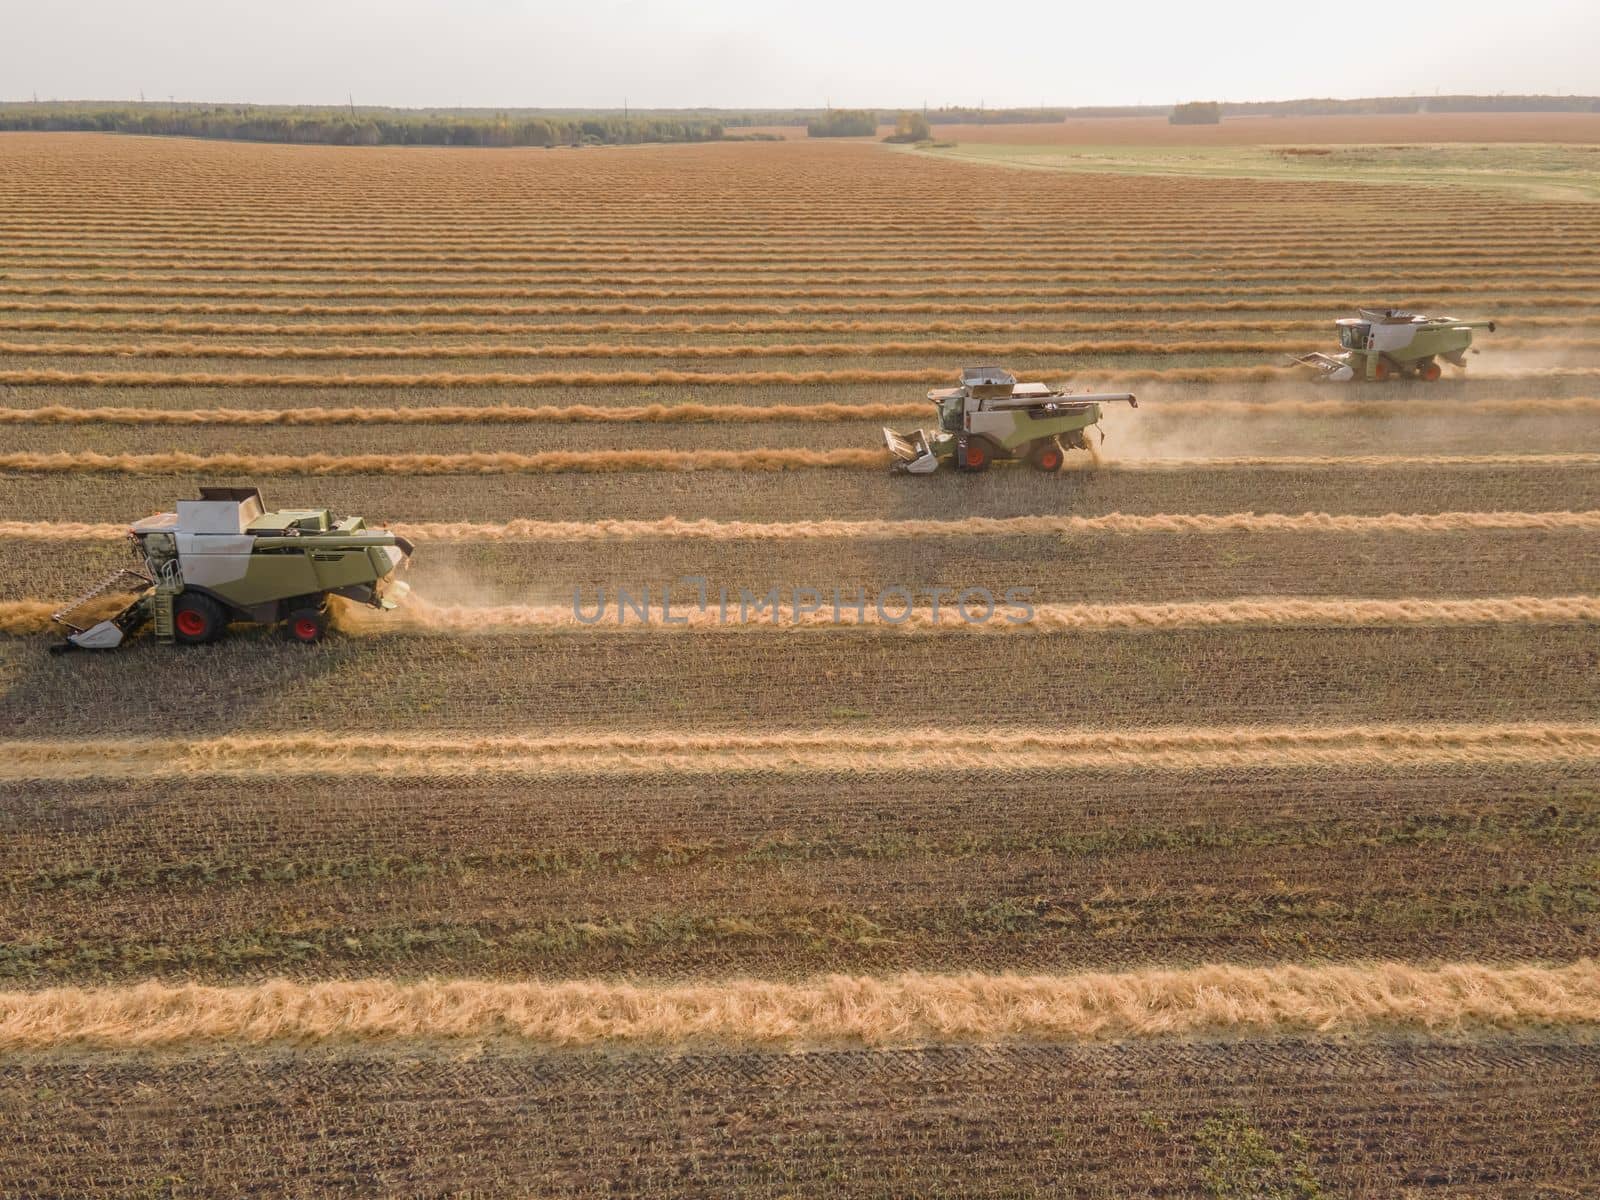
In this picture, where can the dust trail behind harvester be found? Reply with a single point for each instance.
(906, 1009)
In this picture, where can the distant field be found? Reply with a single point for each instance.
(1327, 693)
(1570, 128)
(1576, 128)
(1544, 171)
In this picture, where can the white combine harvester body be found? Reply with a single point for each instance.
(1391, 343)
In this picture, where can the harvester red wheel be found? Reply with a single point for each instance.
(1431, 371)
(1046, 456)
(1381, 371)
(197, 619)
(977, 456)
(307, 625)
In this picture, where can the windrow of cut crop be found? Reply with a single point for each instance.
(668, 378)
(330, 329)
(898, 1010)
(882, 751)
(694, 412)
(976, 614)
(692, 350)
(671, 529)
(946, 305)
(89, 462)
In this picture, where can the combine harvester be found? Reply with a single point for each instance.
(991, 416)
(224, 558)
(1390, 343)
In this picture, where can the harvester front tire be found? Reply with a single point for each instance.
(1381, 371)
(1430, 372)
(197, 619)
(1046, 456)
(307, 625)
(976, 456)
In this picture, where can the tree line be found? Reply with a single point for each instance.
(323, 126)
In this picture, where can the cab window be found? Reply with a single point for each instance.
(1353, 337)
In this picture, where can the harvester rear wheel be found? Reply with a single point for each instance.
(197, 619)
(976, 456)
(307, 625)
(1046, 455)
(1430, 372)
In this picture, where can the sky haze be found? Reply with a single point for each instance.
(732, 54)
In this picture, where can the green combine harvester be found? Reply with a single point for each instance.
(1390, 343)
(991, 417)
(224, 558)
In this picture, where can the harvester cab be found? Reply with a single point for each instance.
(991, 416)
(1391, 343)
(225, 558)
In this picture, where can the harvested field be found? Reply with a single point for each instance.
(1578, 128)
(1263, 851)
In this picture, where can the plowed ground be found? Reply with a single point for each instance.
(1503, 1117)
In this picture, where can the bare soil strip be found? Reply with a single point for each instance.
(1509, 1114)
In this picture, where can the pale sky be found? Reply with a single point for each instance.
(744, 53)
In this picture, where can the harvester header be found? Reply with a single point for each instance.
(225, 558)
(991, 416)
(1390, 343)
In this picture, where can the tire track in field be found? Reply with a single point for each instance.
(922, 750)
(1117, 524)
(64, 462)
(898, 1010)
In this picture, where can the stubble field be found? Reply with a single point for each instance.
(1310, 686)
